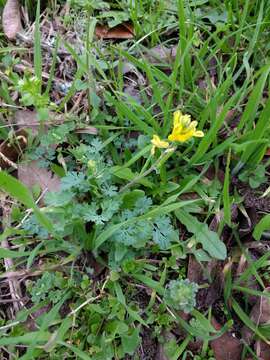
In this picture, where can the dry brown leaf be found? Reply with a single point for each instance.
(226, 347)
(161, 54)
(262, 350)
(26, 119)
(122, 31)
(31, 174)
(195, 271)
(11, 19)
(87, 130)
(260, 314)
(160, 355)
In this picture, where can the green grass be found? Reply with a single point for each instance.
(96, 261)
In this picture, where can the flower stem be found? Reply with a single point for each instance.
(147, 172)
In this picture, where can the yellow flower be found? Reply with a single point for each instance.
(158, 143)
(183, 128)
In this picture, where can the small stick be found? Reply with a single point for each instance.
(8, 161)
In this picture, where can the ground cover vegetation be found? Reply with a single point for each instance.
(134, 154)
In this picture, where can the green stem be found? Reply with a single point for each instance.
(152, 168)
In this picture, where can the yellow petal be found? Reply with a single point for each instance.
(185, 121)
(198, 133)
(183, 128)
(155, 139)
(181, 137)
(193, 124)
(157, 142)
(176, 117)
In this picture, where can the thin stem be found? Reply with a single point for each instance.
(147, 172)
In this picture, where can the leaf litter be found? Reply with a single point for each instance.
(31, 174)
(11, 19)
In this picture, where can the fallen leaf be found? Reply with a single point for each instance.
(195, 271)
(11, 19)
(262, 350)
(161, 54)
(87, 130)
(161, 354)
(134, 81)
(31, 174)
(260, 314)
(251, 282)
(247, 219)
(226, 347)
(123, 31)
(30, 323)
(26, 119)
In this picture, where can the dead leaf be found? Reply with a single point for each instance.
(161, 54)
(262, 350)
(247, 220)
(260, 314)
(226, 347)
(195, 271)
(160, 355)
(31, 174)
(122, 31)
(26, 119)
(11, 19)
(87, 130)
(30, 323)
(134, 82)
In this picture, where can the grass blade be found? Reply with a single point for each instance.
(263, 225)
(37, 46)
(254, 100)
(226, 192)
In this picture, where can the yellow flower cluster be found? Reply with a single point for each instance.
(183, 130)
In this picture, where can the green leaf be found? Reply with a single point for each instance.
(37, 46)
(58, 335)
(209, 239)
(121, 298)
(226, 192)
(152, 284)
(81, 354)
(254, 100)
(158, 211)
(39, 337)
(124, 112)
(164, 233)
(211, 135)
(17, 190)
(263, 225)
(257, 133)
(127, 174)
(131, 342)
(6, 253)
